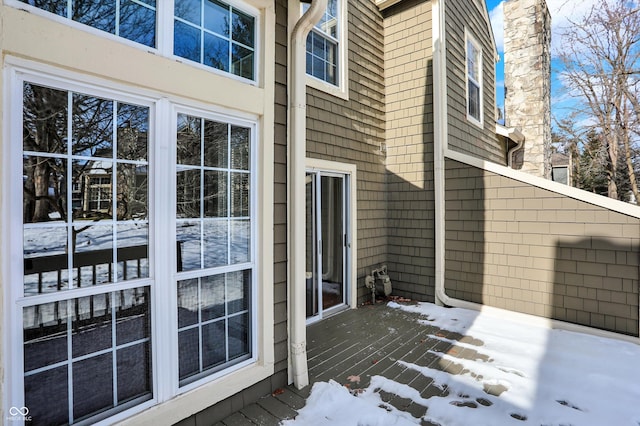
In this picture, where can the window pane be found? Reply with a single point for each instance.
(45, 334)
(187, 302)
(216, 136)
(186, 41)
(216, 240)
(240, 148)
(133, 132)
(92, 385)
(239, 194)
(92, 126)
(243, 28)
(242, 61)
(474, 100)
(132, 184)
(188, 353)
(213, 296)
(188, 10)
(91, 324)
(93, 255)
(44, 189)
(188, 140)
(133, 251)
(95, 13)
(138, 23)
(240, 241)
(238, 284)
(188, 193)
(215, 193)
(44, 119)
(134, 372)
(45, 260)
(188, 237)
(213, 344)
(216, 17)
(133, 315)
(93, 194)
(216, 52)
(238, 336)
(46, 394)
(59, 7)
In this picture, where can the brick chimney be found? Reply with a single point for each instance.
(527, 73)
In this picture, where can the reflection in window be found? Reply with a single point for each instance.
(134, 20)
(83, 339)
(322, 45)
(212, 193)
(75, 241)
(215, 34)
(474, 78)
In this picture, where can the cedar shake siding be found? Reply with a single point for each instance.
(464, 136)
(353, 131)
(409, 127)
(518, 247)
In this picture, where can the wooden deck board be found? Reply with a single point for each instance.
(363, 343)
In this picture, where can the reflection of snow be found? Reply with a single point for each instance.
(98, 238)
(208, 242)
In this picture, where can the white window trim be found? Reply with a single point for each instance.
(164, 34)
(167, 404)
(341, 90)
(469, 38)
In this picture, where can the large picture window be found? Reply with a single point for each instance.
(91, 287)
(474, 79)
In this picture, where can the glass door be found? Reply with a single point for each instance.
(325, 242)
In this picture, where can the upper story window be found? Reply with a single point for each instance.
(323, 45)
(215, 34)
(209, 32)
(474, 79)
(134, 20)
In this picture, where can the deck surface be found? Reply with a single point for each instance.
(361, 343)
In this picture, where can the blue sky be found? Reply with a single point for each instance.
(561, 12)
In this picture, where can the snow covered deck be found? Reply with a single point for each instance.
(382, 365)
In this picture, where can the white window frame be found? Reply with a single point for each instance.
(469, 39)
(169, 401)
(164, 34)
(341, 88)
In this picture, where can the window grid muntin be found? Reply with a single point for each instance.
(229, 268)
(203, 31)
(72, 317)
(73, 281)
(68, 14)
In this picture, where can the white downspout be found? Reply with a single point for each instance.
(440, 130)
(296, 161)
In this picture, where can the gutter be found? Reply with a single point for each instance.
(296, 165)
(514, 134)
(440, 152)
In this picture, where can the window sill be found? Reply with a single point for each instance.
(341, 92)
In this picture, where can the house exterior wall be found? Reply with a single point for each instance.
(80, 54)
(465, 136)
(527, 249)
(409, 130)
(352, 131)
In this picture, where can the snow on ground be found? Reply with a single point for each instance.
(548, 377)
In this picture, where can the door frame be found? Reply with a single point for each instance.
(349, 171)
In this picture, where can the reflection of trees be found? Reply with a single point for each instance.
(48, 170)
(133, 21)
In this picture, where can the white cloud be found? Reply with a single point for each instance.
(497, 22)
(562, 13)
